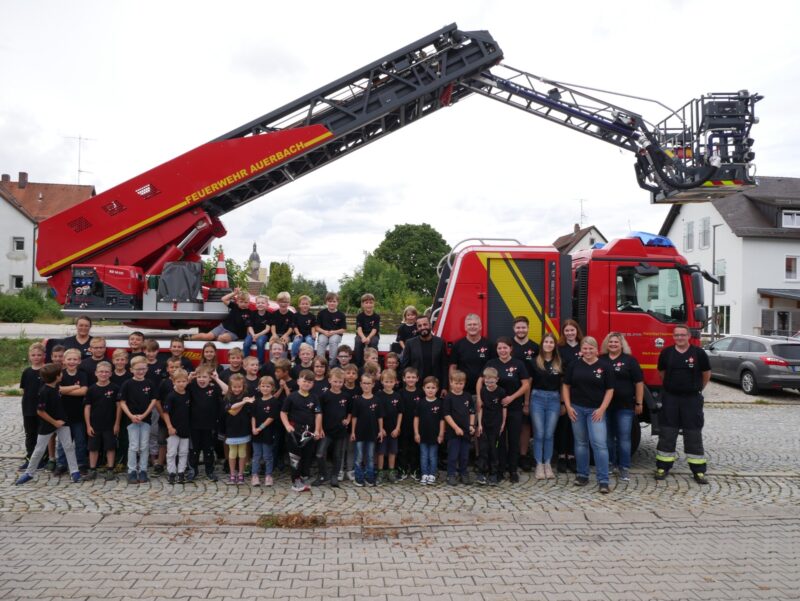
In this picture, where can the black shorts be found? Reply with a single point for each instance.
(388, 446)
(103, 441)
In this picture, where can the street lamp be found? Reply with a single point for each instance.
(714, 286)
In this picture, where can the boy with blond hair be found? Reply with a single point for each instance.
(368, 327)
(282, 320)
(102, 414)
(137, 400)
(259, 328)
(305, 325)
(331, 324)
(30, 383)
(177, 417)
(459, 416)
(73, 387)
(234, 326)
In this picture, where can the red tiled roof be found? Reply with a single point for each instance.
(40, 201)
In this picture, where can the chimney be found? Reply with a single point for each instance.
(576, 230)
(6, 178)
(23, 179)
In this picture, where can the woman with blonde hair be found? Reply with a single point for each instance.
(626, 402)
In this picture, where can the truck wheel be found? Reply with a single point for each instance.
(748, 382)
(636, 434)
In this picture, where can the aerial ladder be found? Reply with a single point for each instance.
(106, 257)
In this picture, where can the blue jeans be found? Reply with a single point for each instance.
(589, 432)
(138, 445)
(261, 345)
(263, 451)
(457, 455)
(545, 407)
(78, 432)
(620, 424)
(364, 465)
(298, 340)
(428, 459)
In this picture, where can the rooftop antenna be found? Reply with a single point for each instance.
(80, 140)
(582, 217)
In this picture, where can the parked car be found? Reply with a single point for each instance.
(756, 362)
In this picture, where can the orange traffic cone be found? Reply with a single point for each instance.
(221, 275)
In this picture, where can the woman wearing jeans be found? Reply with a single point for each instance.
(545, 404)
(627, 400)
(587, 391)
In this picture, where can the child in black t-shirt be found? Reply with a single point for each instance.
(320, 368)
(335, 405)
(30, 382)
(177, 417)
(301, 416)
(97, 348)
(258, 330)
(368, 327)
(408, 450)
(73, 389)
(365, 431)
(205, 397)
(304, 360)
(237, 426)
(264, 415)
(459, 416)
(389, 424)
(407, 329)
(176, 349)
(251, 369)
(102, 414)
(429, 430)
(331, 324)
(305, 325)
(138, 399)
(491, 423)
(282, 320)
(165, 386)
(52, 418)
(234, 326)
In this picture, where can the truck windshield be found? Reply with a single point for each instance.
(660, 295)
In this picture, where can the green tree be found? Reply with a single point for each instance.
(237, 273)
(385, 281)
(314, 289)
(416, 251)
(280, 278)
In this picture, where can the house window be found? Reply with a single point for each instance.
(705, 233)
(18, 244)
(688, 235)
(17, 282)
(791, 268)
(719, 273)
(722, 319)
(791, 218)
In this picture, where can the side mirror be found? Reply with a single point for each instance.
(700, 314)
(697, 289)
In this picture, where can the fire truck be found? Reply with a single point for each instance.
(132, 253)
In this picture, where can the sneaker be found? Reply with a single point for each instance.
(158, 469)
(254, 481)
(548, 471)
(661, 474)
(298, 486)
(451, 480)
(603, 488)
(402, 475)
(513, 477)
(373, 482)
(171, 479)
(493, 480)
(572, 465)
(26, 477)
(60, 470)
(23, 466)
(132, 478)
(581, 481)
(341, 476)
(415, 476)
(76, 477)
(431, 479)
(232, 478)
(539, 473)
(358, 483)
(211, 477)
(623, 475)
(465, 479)
(267, 480)
(91, 475)
(319, 481)
(182, 478)
(700, 478)
(110, 476)
(240, 479)
(51, 465)
(334, 482)
(561, 465)
(481, 479)
(391, 477)
(351, 475)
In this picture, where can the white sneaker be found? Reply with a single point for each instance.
(431, 479)
(341, 476)
(351, 475)
(423, 479)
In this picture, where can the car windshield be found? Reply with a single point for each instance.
(660, 294)
(787, 351)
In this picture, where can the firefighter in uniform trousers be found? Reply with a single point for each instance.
(685, 371)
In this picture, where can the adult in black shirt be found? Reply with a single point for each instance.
(426, 353)
(685, 372)
(513, 377)
(569, 350)
(626, 403)
(587, 390)
(82, 337)
(546, 404)
(525, 350)
(470, 354)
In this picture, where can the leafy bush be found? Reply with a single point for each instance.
(15, 308)
(48, 307)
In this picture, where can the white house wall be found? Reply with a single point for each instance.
(14, 224)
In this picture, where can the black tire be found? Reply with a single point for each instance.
(747, 382)
(636, 434)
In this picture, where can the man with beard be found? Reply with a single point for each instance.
(426, 353)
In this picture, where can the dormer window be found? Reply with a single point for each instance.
(791, 218)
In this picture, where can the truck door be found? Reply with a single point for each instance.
(516, 287)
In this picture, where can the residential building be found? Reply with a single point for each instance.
(23, 204)
(751, 243)
(580, 239)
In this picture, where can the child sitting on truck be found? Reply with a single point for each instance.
(234, 326)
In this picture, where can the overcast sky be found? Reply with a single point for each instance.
(145, 81)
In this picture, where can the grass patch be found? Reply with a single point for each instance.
(13, 359)
(761, 402)
(291, 520)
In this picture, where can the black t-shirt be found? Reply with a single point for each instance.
(164, 388)
(262, 410)
(335, 408)
(320, 387)
(683, 372)
(627, 373)
(304, 322)
(83, 347)
(301, 410)
(250, 386)
(118, 379)
(186, 364)
(178, 406)
(331, 320)
(568, 354)
(88, 366)
(156, 372)
(391, 408)
(471, 358)
(459, 407)
(206, 403)
(410, 400)
(366, 412)
(298, 367)
(237, 425)
(405, 331)
(102, 401)
(430, 418)
(260, 322)
(353, 392)
(50, 403)
(588, 383)
(30, 382)
(226, 374)
(137, 394)
(283, 322)
(367, 323)
(237, 320)
(492, 404)
(73, 405)
(525, 352)
(546, 379)
(427, 360)
(510, 377)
